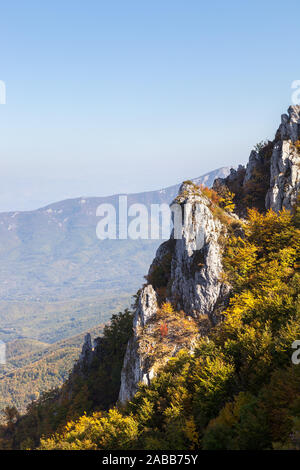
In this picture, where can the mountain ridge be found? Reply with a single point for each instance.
(54, 265)
(204, 359)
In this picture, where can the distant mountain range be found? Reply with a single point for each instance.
(57, 279)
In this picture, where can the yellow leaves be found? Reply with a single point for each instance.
(214, 373)
(260, 266)
(255, 217)
(95, 432)
(240, 260)
(191, 433)
(226, 202)
(297, 144)
(230, 414)
(296, 210)
(145, 410)
(166, 331)
(173, 411)
(167, 309)
(240, 304)
(178, 394)
(240, 353)
(210, 194)
(271, 231)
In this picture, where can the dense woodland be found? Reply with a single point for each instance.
(238, 389)
(92, 386)
(33, 367)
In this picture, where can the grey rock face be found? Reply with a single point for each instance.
(290, 124)
(281, 159)
(135, 368)
(285, 164)
(193, 280)
(87, 351)
(194, 284)
(255, 159)
(196, 263)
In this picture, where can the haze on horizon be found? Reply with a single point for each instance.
(110, 97)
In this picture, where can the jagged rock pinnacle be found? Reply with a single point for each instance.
(192, 266)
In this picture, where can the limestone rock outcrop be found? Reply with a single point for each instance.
(86, 355)
(285, 163)
(135, 368)
(189, 267)
(271, 179)
(196, 263)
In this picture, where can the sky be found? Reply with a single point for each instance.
(106, 97)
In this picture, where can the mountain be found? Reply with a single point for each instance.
(57, 281)
(183, 274)
(33, 367)
(206, 360)
(57, 278)
(187, 274)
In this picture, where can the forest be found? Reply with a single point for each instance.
(238, 389)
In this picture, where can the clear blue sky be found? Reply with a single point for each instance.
(126, 96)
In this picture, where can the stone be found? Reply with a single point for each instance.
(194, 283)
(285, 164)
(86, 355)
(135, 365)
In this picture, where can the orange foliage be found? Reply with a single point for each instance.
(163, 329)
(210, 194)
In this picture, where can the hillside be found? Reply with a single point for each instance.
(57, 279)
(206, 360)
(34, 367)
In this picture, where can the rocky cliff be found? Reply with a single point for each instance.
(186, 271)
(285, 163)
(271, 179)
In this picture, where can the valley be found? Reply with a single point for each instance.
(58, 281)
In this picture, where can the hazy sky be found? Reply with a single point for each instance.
(126, 96)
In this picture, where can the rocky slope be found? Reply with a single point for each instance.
(285, 163)
(57, 278)
(187, 269)
(271, 179)
(191, 264)
(33, 367)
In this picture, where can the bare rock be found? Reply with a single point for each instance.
(194, 284)
(285, 164)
